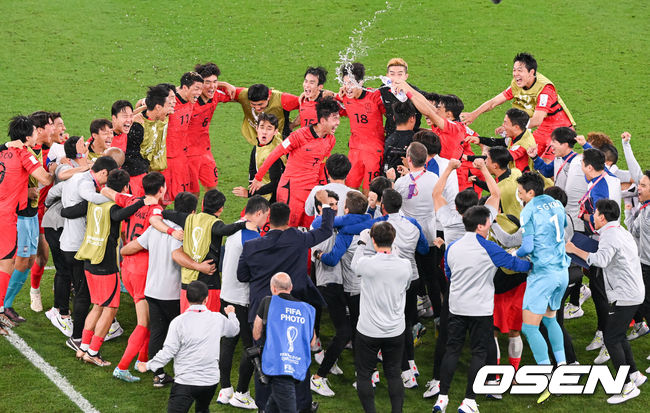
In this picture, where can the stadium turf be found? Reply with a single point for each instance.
(79, 57)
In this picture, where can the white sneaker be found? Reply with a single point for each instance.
(585, 294)
(494, 396)
(572, 311)
(638, 330)
(441, 404)
(64, 324)
(35, 300)
(320, 386)
(603, 356)
(115, 331)
(433, 388)
(379, 356)
(638, 378)
(375, 377)
(336, 370)
(317, 346)
(468, 406)
(318, 357)
(408, 379)
(414, 368)
(225, 395)
(597, 342)
(52, 312)
(630, 391)
(243, 401)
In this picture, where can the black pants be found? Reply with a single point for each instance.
(431, 277)
(441, 342)
(618, 319)
(598, 294)
(644, 308)
(352, 301)
(62, 278)
(81, 301)
(480, 331)
(365, 361)
(410, 318)
(283, 395)
(161, 313)
(228, 345)
(335, 299)
(182, 396)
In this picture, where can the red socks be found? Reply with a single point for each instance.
(143, 356)
(95, 344)
(86, 336)
(37, 274)
(137, 338)
(515, 362)
(4, 283)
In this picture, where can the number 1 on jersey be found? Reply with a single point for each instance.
(555, 221)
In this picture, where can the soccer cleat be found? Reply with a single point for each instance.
(317, 346)
(468, 406)
(375, 377)
(115, 331)
(493, 396)
(418, 331)
(572, 311)
(6, 321)
(73, 344)
(408, 379)
(630, 391)
(64, 324)
(98, 360)
(597, 342)
(441, 404)
(433, 388)
(80, 354)
(13, 315)
(638, 378)
(123, 374)
(161, 380)
(603, 356)
(544, 396)
(35, 300)
(243, 401)
(320, 386)
(585, 294)
(225, 395)
(638, 330)
(414, 368)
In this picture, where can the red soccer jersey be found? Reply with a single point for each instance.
(15, 167)
(198, 133)
(366, 121)
(307, 111)
(452, 139)
(119, 141)
(179, 121)
(307, 152)
(43, 191)
(138, 223)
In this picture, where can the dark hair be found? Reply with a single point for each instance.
(378, 185)
(611, 153)
(338, 166)
(258, 92)
(564, 134)
(501, 156)
(280, 214)
(609, 208)
(403, 112)
(475, 216)
(152, 182)
(431, 97)
(594, 158)
(169, 87)
(418, 154)
(54, 115)
(156, 95)
(104, 162)
(647, 173)
(213, 200)
(518, 117)
(465, 199)
(356, 202)
(119, 106)
(430, 140)
(268, 117)
(185, 202)
(528, 60)
(319, 72)
(326, 107)
(20, 127)
(391, 200)
(207, 70)
(453, 104)
(256, 203)
(383, 234)
(70, 147)
(118, 179)
(330, 194)
(40, 118)
(558, 193)
(196, 292)
(356, 70)
(532, 181)
(99, 124)
(190, 78)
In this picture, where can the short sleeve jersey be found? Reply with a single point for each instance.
(366, 115)
(138, 223)
(198, 133)
(307, 112)
(179, 122)
(15, 167)
(452, 139)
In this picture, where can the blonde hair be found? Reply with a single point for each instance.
(397, 61)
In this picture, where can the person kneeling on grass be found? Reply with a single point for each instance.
(193, 341)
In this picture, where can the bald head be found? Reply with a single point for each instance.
(117, 154)
(281, 283)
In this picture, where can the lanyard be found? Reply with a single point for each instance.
(586, 195)
(413, 188)
(566, 161)
(600, 232)
(645, 204)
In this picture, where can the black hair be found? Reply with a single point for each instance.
(119, 106)
(280, 214)
(611, 153)
(356, 202)
(532, 181)
(54, 115)
(609, 209)
(268, 117)
(99, 124)
(338, 166)
(169, 87)
(418, 154)
(185, 202)
(518, 117)
(70, 147)
(319, 72)
(326, 107)
(196, 292)
(594, 158)
(430, 140)
(40, 118)
(403, 112)
(190, 78)
(378, 185)
(156, 95)
(258, 92)
(330, 194)
(391, 200)
(431, 97)
(528, 60)
(152, 182)
(104, 162)
(355, 70)
(207, 70)
(475, 216)
(453, 104)
(558, 193)
(647, 173)
(383, 234)
(256, 203)
(20, 127)
(501, 156)
(564, 134)
(466, 199)
(118, 179)
(213, 200)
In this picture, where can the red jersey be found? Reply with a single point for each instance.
(308, 152)
(452, 139)
(307, 111)
(138, 223)
(15, 167)
(198, 132)
(179, 121)
(366, 115)
(43, 190)
(547, 102)
(119, 141)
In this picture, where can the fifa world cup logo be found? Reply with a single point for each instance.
(98, 216)
(197, 234)
(292, 334)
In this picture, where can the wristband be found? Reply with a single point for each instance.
(409, 95)
(170, 231)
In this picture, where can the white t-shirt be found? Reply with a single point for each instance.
(232, 290)
(163, 275)
(420, 205)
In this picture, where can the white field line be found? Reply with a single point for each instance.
(50, 372)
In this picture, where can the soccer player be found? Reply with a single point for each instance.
(307, 148)
(563, 140)
(396, 70)
(101, 136)
(535, 94)
(543, 220)
(312, 85)
(122, 119)
(365, 110)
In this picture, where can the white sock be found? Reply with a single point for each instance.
(515, 347)
(36, 290)
(92, 353)
(84, 347)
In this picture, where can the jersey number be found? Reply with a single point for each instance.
(361, 118)
(555, 221)
(205, 122)
(185, 118)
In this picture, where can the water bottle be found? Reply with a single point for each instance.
(401, 96)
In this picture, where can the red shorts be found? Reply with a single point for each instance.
(464, 172)
(135, 184)
(294, 196)
(203, 169)
(177, 178)
(9, 232)
(134, 276)
(365, 167)
(508, 309)
(104, 289)
(213, 304)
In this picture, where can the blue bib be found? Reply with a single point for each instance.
(289, 329)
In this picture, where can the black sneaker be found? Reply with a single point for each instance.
(73, 344)
(162, 380)
(13, 315)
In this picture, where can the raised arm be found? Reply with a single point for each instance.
(469, 117)
(438, 199)
(632, 164)
(421, 103)
(493, 188)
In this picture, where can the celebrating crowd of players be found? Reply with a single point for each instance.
(482, 225)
